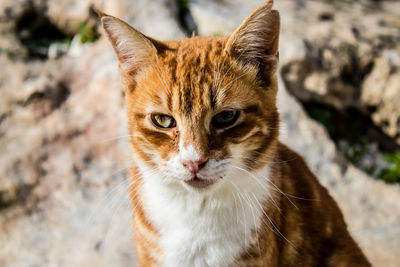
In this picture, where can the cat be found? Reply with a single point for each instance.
(212, 185)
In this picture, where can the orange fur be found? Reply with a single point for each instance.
(194, 79)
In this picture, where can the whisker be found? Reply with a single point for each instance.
(275, 162)
(272, 223)
(162, 80)
(264, 187)
(220, 66)
(109, 199)
(230, 67)
(264, 160)
(220, 69)
(109, 231)
(254, 217)
(243, 212)
(237, 216)
(220, 91)
(105, 199)
(289, 195)
(268, 180)
(119, 137)
(281, 161)
(114, 207)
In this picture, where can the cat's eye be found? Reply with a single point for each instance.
(225, 119)
(163, 121)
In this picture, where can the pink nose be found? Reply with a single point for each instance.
(194, 166)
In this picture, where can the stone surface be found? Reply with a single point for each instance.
(57, 165)
(64, 159)
(64, 154)
(351, 52)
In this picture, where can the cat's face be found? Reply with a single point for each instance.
(201, 109)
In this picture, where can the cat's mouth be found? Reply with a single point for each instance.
(199, 182)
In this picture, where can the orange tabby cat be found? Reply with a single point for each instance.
(212, 185)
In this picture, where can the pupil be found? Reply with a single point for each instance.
(225, 118)
(227, 115)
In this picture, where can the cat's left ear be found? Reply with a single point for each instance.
(134, 50)
(256, 41)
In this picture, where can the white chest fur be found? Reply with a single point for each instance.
(198, 230)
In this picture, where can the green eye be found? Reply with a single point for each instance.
(163, 121)
(225, 119)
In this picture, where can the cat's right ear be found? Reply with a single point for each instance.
(256, 41)
(134, 50)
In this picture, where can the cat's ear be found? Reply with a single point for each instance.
(134, 50)
(256, 41)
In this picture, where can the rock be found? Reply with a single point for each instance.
(387, 115)
(57, 50)
(58, 165)
(65, 155)
(348, 59)
(374, 85)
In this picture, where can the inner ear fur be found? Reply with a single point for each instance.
(256, 41)
(135, 51)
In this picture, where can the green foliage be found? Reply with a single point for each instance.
(183, 5)
(66, 41)
(323, 115)
(392, 173)
(353, 129)
(353, 153)
(38, 45)
(88, 33)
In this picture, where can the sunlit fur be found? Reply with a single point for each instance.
(184, 85)
(253, 214)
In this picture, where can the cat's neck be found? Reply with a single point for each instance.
(191, 223)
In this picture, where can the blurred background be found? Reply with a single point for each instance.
(64, 150)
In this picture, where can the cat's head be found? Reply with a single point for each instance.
(202, 109)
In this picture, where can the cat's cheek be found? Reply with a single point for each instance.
(238, 151)
(162, 142)
(167, 152)
(216, 169)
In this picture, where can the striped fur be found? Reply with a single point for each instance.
(262, 206)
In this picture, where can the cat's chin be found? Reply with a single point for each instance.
(199, 183)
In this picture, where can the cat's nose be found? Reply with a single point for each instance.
(195, 166)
